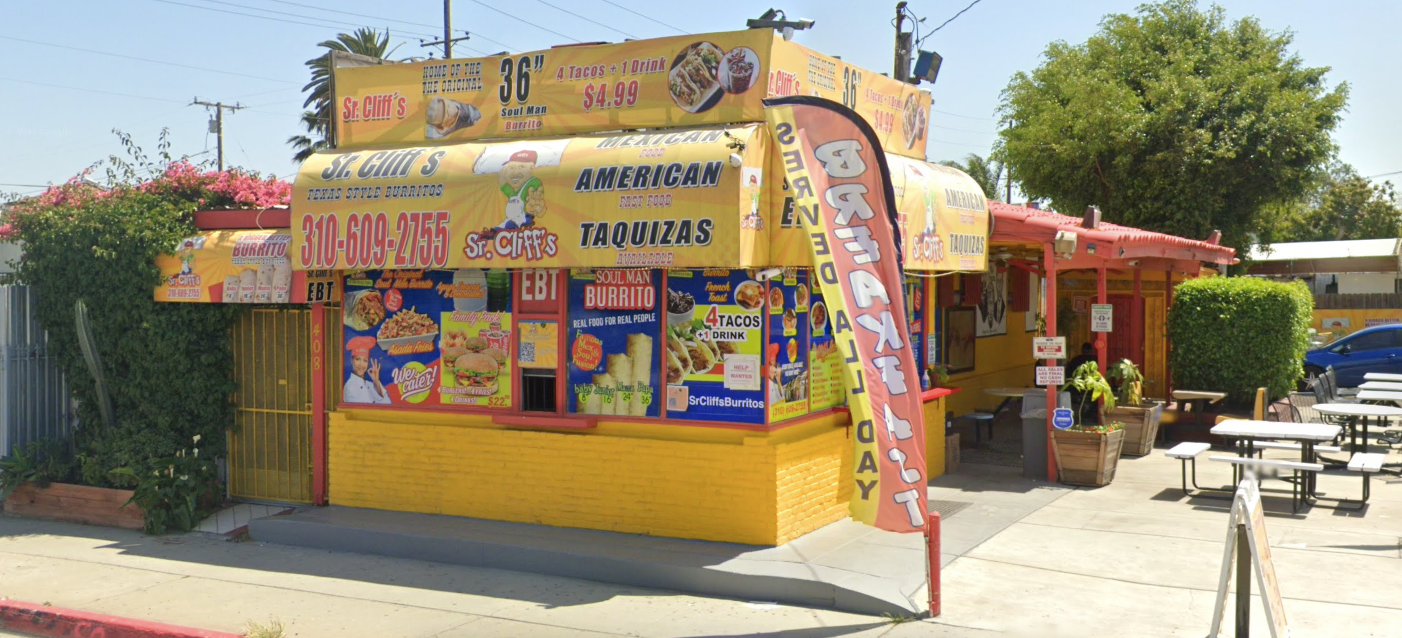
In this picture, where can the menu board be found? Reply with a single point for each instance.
(613, 357)
(426, 337)
(824, 361)
(786, 354)
(715, 323)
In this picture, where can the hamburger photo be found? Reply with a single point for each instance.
(478, 372)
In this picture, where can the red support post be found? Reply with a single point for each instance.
(318, 404)
(1049, 268)
(932, 556)
(1102, 353)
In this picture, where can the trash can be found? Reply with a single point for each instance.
(1034, 431)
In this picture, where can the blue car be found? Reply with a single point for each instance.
(1376, 349)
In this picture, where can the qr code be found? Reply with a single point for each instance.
(528, 353)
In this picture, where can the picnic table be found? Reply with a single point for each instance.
(1008, 395)
(1382, 386)
(1199, 399)
(1378, 395)
(1306, 434)
(1356, 412)
(1382, 376)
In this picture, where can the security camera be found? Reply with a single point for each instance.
(768, 273)
(736, 160)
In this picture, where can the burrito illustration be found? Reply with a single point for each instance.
(445, 116)
(231, 289)
(263, 293)
(248, 285)
(282, 282)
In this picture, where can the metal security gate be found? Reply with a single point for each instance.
(34, 401)
(270, 450)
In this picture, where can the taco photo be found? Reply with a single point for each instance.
(694, 80)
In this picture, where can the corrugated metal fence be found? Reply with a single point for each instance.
(1359, 301)
(34, 401)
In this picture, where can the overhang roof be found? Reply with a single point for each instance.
(1345, 249)
(1112, 241)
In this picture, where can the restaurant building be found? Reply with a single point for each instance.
(516, 310)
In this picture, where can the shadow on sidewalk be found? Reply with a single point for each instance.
(271, 558)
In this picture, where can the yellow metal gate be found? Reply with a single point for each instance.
(270, 450)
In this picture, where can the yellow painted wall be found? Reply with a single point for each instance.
(934, 438)
(1001, 361)
(686, 482)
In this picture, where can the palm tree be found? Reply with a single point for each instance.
(987, 173)
(365, 41)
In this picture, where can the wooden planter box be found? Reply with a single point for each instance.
(1141, 426)
(1087, 458)
(75, 504)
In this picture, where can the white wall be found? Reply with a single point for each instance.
(8, 252)
(1367, 282)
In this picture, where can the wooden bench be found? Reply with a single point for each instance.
(1300, 474)
(1187, 453)
(1366, 464)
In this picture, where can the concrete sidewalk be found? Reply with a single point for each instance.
(1023, 558)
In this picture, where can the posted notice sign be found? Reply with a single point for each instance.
(1051, 375)
(1102, 315)
(1049, 347)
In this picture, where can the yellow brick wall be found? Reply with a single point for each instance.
(934, 437)
(686, 482)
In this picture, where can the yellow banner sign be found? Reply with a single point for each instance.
(236, 266)
(941, 212)
(662, 82)
(682, 197)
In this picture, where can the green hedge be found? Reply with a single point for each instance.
(1236, 334)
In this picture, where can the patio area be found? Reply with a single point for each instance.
(1139, 558)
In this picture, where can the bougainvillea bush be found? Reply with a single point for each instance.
(168, 366)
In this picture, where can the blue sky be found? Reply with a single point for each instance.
(50, 133)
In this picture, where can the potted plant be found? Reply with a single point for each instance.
(1141, 419)
(1087, 454)
(939, 374)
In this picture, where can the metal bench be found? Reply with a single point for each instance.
(1366, 464)
(1187, 453)
(1298, 494)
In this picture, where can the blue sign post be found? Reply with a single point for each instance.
(1061, 418)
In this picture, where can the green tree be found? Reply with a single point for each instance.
(318, 120)
(986, 172)
(1173, 120)
(1347, 206)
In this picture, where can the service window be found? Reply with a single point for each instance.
(614, 353)
(539, 305)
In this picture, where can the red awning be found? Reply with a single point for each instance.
(1112, 241)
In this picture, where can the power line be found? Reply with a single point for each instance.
(946, 22)
(645, 17)
(298, 15)
(140, 59)
(1383, 175)
(251, 15)
(24, 185)
(967, 117)
(514, 17)
(962, 130)
(395, 20)
(78, 88)
(557, 8)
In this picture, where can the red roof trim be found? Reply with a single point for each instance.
(268, 218)
(1020, 223)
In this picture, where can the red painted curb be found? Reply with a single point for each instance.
(38, 620)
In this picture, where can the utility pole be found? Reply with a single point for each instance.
(901, 71)
(448, 38)
(218, 124)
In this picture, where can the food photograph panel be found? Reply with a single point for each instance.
(614, 323)
(714, 334)
(413, 337)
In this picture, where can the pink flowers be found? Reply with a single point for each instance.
(214, 189)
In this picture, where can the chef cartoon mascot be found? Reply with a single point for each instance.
(362, 387)
(525, 195)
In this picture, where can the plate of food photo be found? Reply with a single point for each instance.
(365, 309)
(749, 295)
(694, 80)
